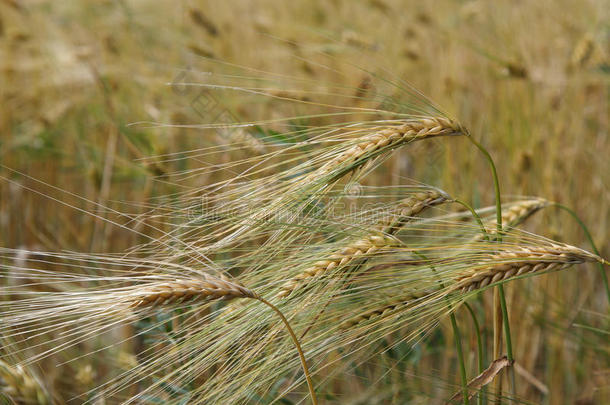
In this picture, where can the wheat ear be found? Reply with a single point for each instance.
(508, 264)
(390, 138)
(371, 245)
(364, 247)
(406, 209)
(515, 215)
(179, 291)
(210, 288)
(381, 312)
(505, 265)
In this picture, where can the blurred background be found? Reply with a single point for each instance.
(529, 79)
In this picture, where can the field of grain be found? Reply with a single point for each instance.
(328, 202)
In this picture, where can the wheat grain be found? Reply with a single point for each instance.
(528, 260)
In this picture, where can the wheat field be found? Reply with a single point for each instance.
(306, 202)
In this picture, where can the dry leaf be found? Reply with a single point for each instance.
(484, 378)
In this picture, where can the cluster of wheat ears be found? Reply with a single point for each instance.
(282, 270)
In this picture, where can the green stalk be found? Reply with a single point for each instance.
(480, 364)
(496, 185)
(457, 339)
(458, 346)
(475, 216)
(509, 347)
(590, 238)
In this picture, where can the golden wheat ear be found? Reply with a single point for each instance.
(388, 139)
(362, 248)
(403, 212)
(514, 215)
(209, 288)
(411, 206)
(179, 291)
(526, 260)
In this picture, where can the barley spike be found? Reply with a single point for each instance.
(508, 264)
(390, 138)
(183, 290)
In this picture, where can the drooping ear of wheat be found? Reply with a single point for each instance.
(387, 139)
(360, 249)
(525, 260)
(180, 291)
(462, 274)
(396, 305)
(406, 209)
(206, 289)
(514, 215)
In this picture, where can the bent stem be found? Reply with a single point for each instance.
(314, 400)
(475, 215)
(590, 238)
(500, 288)
(496, 185)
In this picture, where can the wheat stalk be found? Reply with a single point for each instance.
(526, 260)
